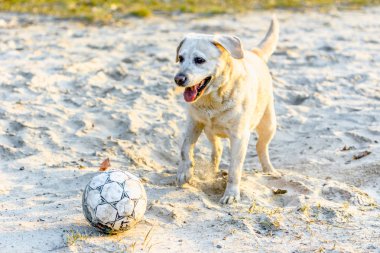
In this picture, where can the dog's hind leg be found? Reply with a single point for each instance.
(266, 130)
(217, 150)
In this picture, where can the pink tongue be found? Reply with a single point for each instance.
(190, 93)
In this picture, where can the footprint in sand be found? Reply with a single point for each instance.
(297, 190)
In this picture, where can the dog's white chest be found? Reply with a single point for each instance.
(216, 120)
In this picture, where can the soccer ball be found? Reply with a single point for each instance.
(114, 201)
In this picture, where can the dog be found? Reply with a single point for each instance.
(229, 94)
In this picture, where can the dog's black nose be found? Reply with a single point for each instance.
(180, 79)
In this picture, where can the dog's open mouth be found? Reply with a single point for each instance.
(193, 92)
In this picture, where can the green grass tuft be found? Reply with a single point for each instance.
(111, 10)
(74, 236)
(141, 12)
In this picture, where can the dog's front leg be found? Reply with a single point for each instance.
(238, 151)
(186, 167)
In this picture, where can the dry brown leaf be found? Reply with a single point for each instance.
(105, 165)
(347, 148)
(277, 191)
(361, 155)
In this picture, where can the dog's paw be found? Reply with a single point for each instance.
(184, 175)
(183, 178)
(230, 196)
(273, 173)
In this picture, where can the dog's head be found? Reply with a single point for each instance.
(200, 58)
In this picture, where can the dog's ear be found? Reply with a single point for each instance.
(178, 48)
(231, 44)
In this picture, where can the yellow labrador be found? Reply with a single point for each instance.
(229, 92)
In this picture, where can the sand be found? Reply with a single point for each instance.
(73, 95)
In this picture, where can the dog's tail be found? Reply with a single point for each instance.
(269, 43)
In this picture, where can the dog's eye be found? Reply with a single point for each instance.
(180, 58)
(199, 60)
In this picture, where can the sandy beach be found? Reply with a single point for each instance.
(72, 95)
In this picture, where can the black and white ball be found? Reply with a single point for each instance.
(114, 201)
